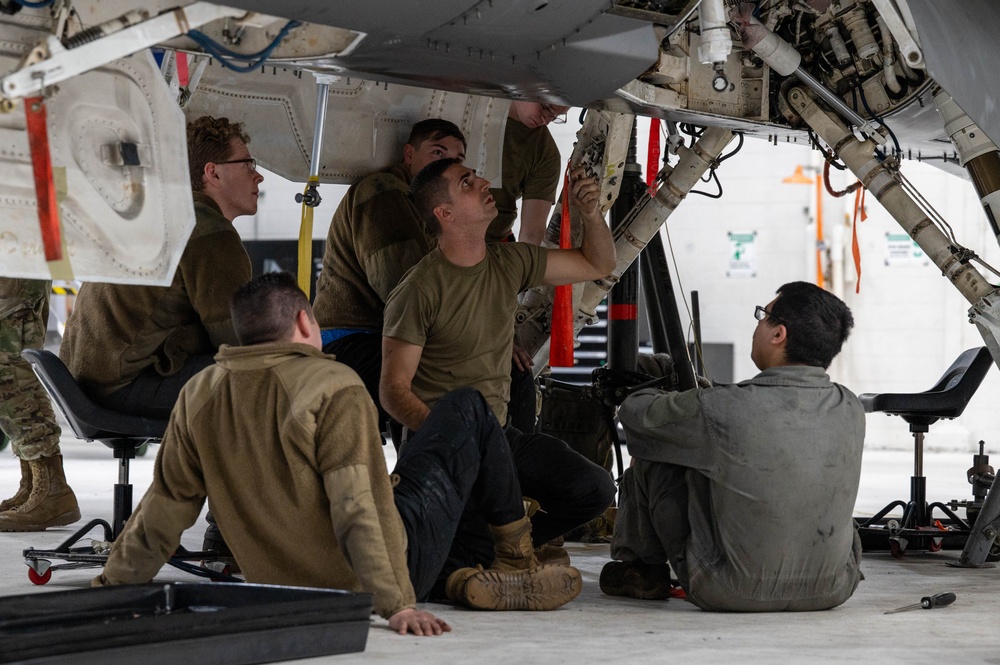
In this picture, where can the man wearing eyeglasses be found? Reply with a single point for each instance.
(748, 490)
(531, 169)
(133, 347)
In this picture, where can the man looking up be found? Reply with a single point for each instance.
(375, 237)
(301, 488)
(448, 326)
(531, 170)
(748, 489)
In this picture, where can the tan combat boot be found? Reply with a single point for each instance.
(551, 552)
(23, 491)
(51, 502)
(515, 581)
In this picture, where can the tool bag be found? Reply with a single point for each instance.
(575, 415)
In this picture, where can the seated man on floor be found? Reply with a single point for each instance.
(300, 487)
(748, 490)
(448, 326)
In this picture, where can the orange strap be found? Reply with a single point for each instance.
(45, 190)
(859, 206)
(561, 347)
(653, 155)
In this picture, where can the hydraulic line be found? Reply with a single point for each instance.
(630, 238)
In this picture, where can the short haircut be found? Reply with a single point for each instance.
(208, 140)
(434, 129)
(817, 323)
(264, 309)
(430, 189)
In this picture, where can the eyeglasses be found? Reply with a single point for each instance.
(551, 115)
(760, 314)
(250, 162)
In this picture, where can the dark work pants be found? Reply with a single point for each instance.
(153, 395)
(523, 399)
(456, 476)
(362, 352)
(570, 489)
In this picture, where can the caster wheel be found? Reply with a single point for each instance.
(935, 545)
(39, 579)
(896, 550)
(994, 554)
(225, 571)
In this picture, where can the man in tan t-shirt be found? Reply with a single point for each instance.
(447, 326)
(531, 168)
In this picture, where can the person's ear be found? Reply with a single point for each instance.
(208, 172)
(779, 334)
(303, 323)
(443, 212)
(408, 151)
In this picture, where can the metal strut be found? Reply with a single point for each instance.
(310, 198)
(881, 177)
(630, 238)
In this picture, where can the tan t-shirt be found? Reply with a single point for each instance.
(464, 320)
(531, 166)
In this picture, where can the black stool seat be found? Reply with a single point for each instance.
(89, 420)
(126, 435)
(947, 399)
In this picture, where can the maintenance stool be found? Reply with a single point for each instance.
(946, 399)
(121, 432)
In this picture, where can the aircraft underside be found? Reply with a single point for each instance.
(334, 86)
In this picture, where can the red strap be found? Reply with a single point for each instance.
(859, 206)
(653, 155)
(45, 190)
(182, 69)
(561, 347)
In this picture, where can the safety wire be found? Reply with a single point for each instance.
(660, 177)
(965, 254)
(687, 308)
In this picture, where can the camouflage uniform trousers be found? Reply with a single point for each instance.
(26, 415)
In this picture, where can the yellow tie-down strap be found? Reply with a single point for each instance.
(305, 241)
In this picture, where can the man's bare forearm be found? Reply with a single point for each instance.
(598, 245)
(402, 404)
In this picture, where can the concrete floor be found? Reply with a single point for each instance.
(597, 628)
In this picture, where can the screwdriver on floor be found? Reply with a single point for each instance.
(927, 603)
